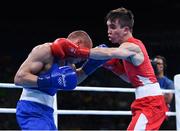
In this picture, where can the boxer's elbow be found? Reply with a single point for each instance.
(81, 75)
(19, 78)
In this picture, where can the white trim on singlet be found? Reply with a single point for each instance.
(37, 96)
(148, 90)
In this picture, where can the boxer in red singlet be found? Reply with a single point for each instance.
(131, 62)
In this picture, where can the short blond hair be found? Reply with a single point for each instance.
(82, 36)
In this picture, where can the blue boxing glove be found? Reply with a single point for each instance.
(64, 78)
(91, 65)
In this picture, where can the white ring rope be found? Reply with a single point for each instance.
(81, 88)
(85, 112)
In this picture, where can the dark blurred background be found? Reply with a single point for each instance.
(24, 25)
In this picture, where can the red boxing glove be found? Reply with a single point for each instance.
(64, 48)
(115, 65)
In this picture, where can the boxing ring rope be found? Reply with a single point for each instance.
(107, 112)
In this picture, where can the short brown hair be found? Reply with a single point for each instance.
(123, 14)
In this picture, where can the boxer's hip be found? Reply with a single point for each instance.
(37, 96)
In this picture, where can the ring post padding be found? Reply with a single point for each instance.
(177, 99)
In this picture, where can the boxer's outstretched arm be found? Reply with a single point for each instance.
(121, 52)
(124, 51)
(127, 51)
